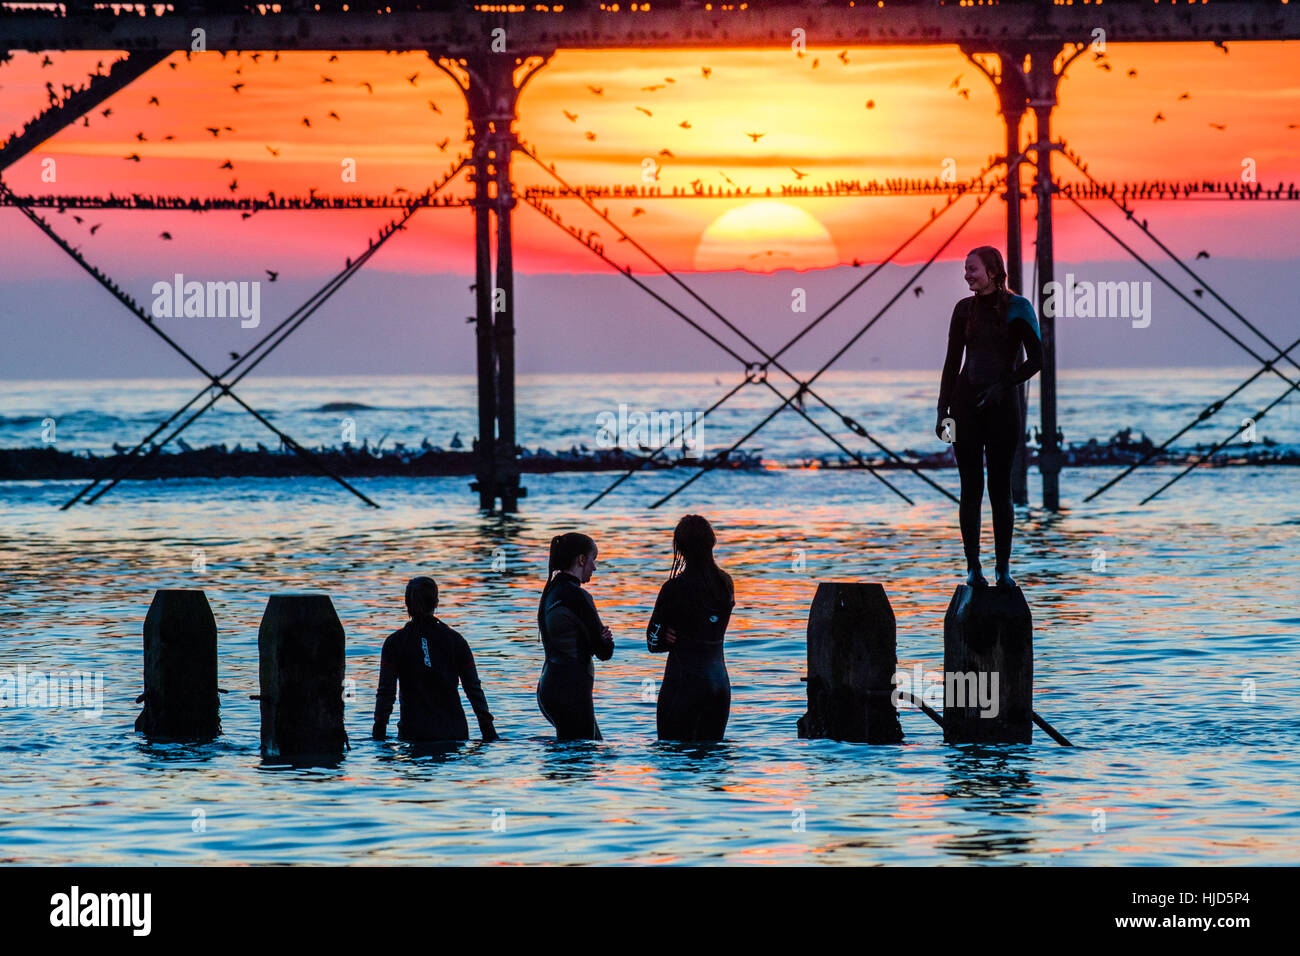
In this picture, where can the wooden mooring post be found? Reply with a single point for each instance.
(988, 666)
(180, 668)
(851, 665)
(300, 647)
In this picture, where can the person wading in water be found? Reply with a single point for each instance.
(689, 619)
(982, 407)
(425, 660)
(571, 635)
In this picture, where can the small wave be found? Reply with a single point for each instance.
(344, 407)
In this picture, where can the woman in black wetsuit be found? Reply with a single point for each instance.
(984, 401)
(571, 634)
(689, 619)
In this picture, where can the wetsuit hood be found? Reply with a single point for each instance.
(1020, 308)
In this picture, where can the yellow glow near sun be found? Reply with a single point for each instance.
(765, 235)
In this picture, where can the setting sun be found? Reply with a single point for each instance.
(765, 235)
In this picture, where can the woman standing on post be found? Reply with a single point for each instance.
(983, 403)
(571, 634)
(689, 619)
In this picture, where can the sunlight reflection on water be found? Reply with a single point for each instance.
(1142, 666)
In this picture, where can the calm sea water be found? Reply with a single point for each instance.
(1142, 665)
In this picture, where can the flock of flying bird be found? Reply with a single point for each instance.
(1099, 59)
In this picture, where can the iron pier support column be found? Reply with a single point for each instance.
(491, 79)
(1028, 75)
(1013, 100)
(1042, 80)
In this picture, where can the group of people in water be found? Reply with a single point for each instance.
(426, 659)
(981, 412)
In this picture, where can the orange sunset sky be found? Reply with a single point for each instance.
(814, 118)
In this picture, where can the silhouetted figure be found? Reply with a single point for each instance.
(425, 660)
(985, 400)
(689, 619)
(571, 635)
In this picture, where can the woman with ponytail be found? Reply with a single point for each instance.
(571, 635)
(689, 620)
(982, 407)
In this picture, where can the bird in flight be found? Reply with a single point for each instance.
(236, 86)
(668, 153)
(134, 157)
(651, 88)
(706, 70)
(844, 56)
(797, 173)
(215, 131)
(637, 211)
(571, 117)
(1220, 126)
(370, 87)
(153, 101)
(271, 276)
(227, 165)
(333, 115)
(871, 104)
(442, 146)
(596, 90)
(1159, 118)
(755, 136)
(1202, 254)
(306, 121)
(411, 79)
(684, 124)
(434, 106)
(1132, 73)
(164, 235)
(273, 152)
(645, 111)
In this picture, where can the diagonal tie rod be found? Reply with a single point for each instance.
(139, 313)
(309, 307)
(849, 422)
(730, 351)
(714, 462)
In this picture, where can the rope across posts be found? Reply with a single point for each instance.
(297, 317)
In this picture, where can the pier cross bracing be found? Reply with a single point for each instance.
(492, 50)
